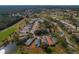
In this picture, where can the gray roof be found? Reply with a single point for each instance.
(77, 23)
(10, 48)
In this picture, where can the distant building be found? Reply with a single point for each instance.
(77, 25)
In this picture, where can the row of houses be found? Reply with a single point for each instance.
(37, 40)
(43, 41)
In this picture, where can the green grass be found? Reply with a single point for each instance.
(6, 32)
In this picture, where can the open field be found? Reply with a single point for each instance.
(8, 31)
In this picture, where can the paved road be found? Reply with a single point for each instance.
(72, 26)
(65, 34)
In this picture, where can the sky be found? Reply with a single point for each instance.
(39, 2)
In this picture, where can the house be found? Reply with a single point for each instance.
(29, 42)
(49, 39)
(44, 42)
(38, 42)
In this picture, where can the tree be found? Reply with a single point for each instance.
(48, 50)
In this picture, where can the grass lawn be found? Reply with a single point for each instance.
(6, 32)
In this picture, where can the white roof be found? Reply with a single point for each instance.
(10, 48)
(2, 51)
